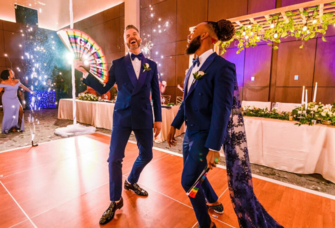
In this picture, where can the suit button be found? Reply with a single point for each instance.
(200, 94)
(196, 109)
(125, 84)
(191, 125)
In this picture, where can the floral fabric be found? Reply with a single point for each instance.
(249, 211)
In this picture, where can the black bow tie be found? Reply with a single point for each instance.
(196, 61)
(139, 56)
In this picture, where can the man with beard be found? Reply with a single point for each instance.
(136, 77)
(208, 99)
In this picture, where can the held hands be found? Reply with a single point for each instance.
(171, 139)
(157, 128)
(213, 158)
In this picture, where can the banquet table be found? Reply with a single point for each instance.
(273, 143)
(100, 114)
(299, 149)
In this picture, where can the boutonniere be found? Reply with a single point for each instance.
(146, 67)
(198, 75)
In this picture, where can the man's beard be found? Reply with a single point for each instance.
(193, 46)
(138, 45)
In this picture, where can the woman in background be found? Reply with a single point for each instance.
(13, 112)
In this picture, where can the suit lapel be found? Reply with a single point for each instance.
(142, 77)
(130, 70)
(186, 81)
(203, 68)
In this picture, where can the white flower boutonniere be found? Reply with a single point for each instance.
(198, 75)
(146, 67)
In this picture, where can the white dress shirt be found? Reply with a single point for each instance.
(136, 65)
(202, 59)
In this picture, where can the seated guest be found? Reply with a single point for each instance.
(113, 92)
(80, 86)
(106, 96)
(90, 90)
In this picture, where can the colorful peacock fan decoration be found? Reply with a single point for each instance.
(87, 50)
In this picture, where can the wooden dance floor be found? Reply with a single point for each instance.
(64, 183)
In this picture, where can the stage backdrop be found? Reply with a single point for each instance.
(273, 71)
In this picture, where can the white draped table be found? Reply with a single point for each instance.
(100, 114)
(282, 145)
(273, 143)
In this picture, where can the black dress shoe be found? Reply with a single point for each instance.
(135, 188)
(217, 208)
(108, 215)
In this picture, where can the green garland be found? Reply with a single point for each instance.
(318, 112)
(87, 97)
(314, 113)
(279, 28)
(265, 113)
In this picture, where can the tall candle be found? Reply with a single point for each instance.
(303, 95)
(306, 101)
(315, 91)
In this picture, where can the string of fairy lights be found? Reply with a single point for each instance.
(38, 50)
(159, 27)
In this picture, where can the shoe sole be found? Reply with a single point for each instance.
(219, 212)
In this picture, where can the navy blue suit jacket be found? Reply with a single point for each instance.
(132, 107)
(207, 105)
